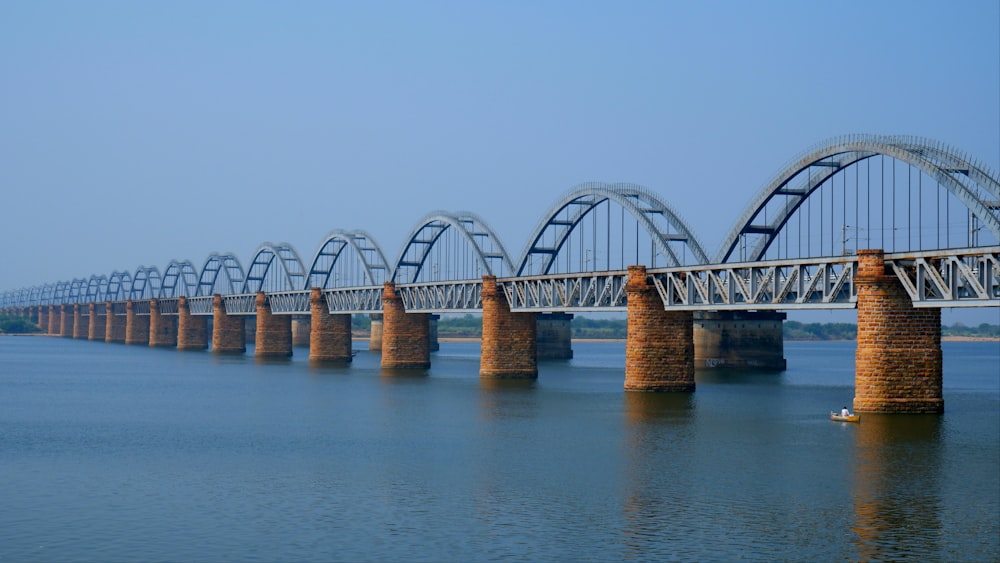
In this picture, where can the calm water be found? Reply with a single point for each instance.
(124, 453)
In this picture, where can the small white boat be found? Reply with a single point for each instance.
(837, 417)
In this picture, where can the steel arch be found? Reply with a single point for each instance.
(373, 262)
(37, 295)
(145, 283)
(641, 204)
(471, 228)
(230, 268)
(934, 159)
(60, 292)
(77, 291)
(119, 286)
(179, 279)
(97, 289)
(291, 276)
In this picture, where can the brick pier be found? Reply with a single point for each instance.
(274, 332)
(509, 342)
(192, 330)
(136, 326)
(405, 336)
(898, 360)
(162, 328)
(227, 330)
(329, 335)
(659, 351)
(96, 327)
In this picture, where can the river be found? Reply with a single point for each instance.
(126, 453)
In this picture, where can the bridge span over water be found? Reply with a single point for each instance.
(897, 227)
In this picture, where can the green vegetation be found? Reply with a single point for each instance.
(982, 331)
(16, 325)
(794, 330)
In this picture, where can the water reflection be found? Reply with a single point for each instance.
(658, 478)
(897, 487)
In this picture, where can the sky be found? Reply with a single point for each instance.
(134, 133)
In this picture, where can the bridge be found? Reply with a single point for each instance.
(897, 227)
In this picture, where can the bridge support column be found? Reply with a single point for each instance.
(739, 340)
(329, 335)
(405, 336)
(96, 327)
(274, 332)
(375, 336)
(659, 351)
(228, 336)
(66, 321)
(81, 321)
(42, 318)
(509, 343)
(898, 358)
(136, 326)
(192, 330)
(162, 328)
(115, 327)
(555, 336)
(55, 319)
(432, 333)
(301, 331)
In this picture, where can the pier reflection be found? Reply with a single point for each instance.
(897, 487)
(658, 428)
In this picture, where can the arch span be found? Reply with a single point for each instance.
(475, 251)
(179, 279)
(670, 234)
(363, 264)
(275, 267)
(222, 273)
(145, 283)
(967, 180)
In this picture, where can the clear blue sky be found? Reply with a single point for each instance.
(132, 133)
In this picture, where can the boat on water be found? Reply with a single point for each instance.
(837, 417)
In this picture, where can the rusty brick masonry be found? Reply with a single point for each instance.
(96, 327)
(227, 330)
(897, 367)
(405, 336)
(81, 322)
(162, 328)
(274, 332)
(329, 335)
(66, 321)
(509, 344)
(136, 326)
(114, 325)
(659, 351)
(192, 330)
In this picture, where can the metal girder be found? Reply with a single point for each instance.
(358, 300)
(443, 297)
(289, 302)
(599, 291)
(167, 305)
(969, 278)
(791, 284)
(200, 305)
(372, 260)
(141, 307)
(242, 304)
(470, 227)
(226, 265)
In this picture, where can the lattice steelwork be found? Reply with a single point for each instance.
(348, 259)
(968, 278)
(599, 226)
(357, 300)
(867, 191)
(444, 297)
(451, 247)
(179, 279)
(222, 274)
(275, 267)
(599, 291)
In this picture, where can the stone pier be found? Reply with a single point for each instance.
(162, 328)
(555, 336)
(509, 343)
(55, 319)
(136, 325)
(96, 329)
(81, 321)
(375, 336)
(739, 340)
(227, 330)
(659, 351)
(898, 358)
(329, 335)
(43, 318)
(405, 336)
(192, 330)
(66, 321)
(274, 332)
(114, 326)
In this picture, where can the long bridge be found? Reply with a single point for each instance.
(897, 227)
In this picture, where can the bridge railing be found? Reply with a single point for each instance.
(442, 297)
(826, 283)
(962, 278)
(357, 300)
(201, 305)
(240, 304)
(591, 291)
(288, 302)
